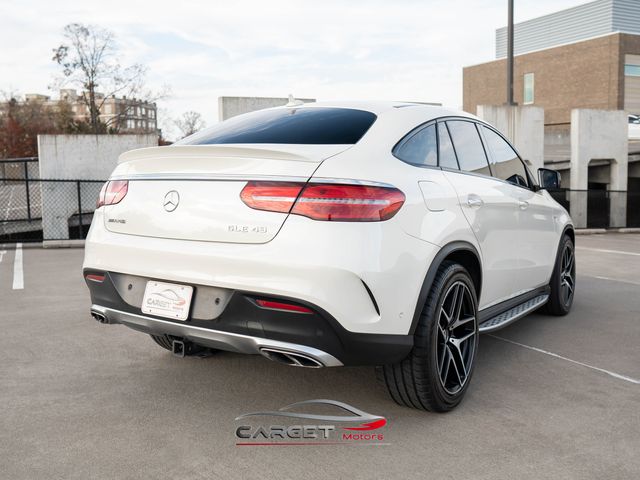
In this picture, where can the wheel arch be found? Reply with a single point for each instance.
(568, 230)
(460, 252)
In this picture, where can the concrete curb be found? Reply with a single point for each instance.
(25, 245)
(599, 231)
(63, 244)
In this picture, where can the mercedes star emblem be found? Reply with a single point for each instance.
(171, 201)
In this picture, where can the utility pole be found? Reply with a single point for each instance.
(510, 56)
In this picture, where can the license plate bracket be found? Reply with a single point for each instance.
(169, 300)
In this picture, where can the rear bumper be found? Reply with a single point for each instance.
(211, 338)
(367, 276)
(244, 327)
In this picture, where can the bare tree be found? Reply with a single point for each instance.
(88, 58)
(189, 123)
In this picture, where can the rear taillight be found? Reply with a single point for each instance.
(348, 203)
(112, 192)
(271, 196)
(329, 202)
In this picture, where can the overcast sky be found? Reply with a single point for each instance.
(324, 49)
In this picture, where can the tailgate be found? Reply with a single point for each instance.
(193, 192)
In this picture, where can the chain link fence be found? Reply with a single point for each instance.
(35, 209)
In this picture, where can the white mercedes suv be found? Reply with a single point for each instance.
(328, 234)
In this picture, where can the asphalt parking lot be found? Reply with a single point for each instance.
(550, 398)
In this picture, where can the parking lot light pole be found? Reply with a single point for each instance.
(510, 55)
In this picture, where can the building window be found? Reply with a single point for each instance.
(528, 88)
(632, 70)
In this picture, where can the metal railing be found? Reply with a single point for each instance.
(35, 209)
(603, 208)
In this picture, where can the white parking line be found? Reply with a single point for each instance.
(18, 274)
(613, 279)
(604, 250)
(6, 213)
(2, 252)
(597, 369)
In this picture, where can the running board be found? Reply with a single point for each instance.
(510, 316)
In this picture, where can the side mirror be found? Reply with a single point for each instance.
(548, 179)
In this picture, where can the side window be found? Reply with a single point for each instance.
(447, 155)
(420, 148)
(505, 163)
(468, 145)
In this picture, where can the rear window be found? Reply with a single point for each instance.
(308, 126)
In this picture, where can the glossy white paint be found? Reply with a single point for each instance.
(324, 263)
(541, 221)
(491, 208)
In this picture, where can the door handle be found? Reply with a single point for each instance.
(474, 201)
(523, 205)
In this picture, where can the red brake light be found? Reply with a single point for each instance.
(348, 203)
(290, 307)
(113, 192)
(271, 196)
(329, 202)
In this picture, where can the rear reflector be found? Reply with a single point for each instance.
(112, 192)
(289, 307)
(95, 278)
(329, 202)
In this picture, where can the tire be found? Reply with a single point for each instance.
(166, 342)
(417, 381)
(563, 280)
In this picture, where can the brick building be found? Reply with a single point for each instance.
(126, 115)
(583, 57)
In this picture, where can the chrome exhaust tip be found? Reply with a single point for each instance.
(293, 359)
(99, 317)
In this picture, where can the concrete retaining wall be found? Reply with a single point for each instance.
(599, 135)
(231, 106)
(78, 157)
(523, 126)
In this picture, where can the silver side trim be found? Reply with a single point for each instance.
(510, 316)
(233, 342)
(207, 176)
(349, 181)
(243, 178)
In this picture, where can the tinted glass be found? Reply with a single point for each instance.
(447, 155)
(468, 147)
(309, 126)
(505, 163)
(420, 149)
